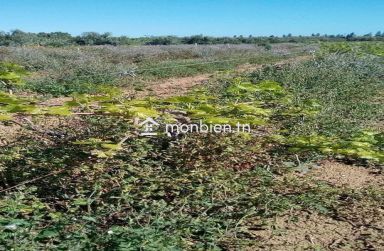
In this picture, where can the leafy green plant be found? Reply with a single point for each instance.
(11, 76)
(359, 48)
(364, 145)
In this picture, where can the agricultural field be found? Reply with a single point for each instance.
(77, 173)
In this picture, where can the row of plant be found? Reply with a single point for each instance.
(359, 48)
(261, 104)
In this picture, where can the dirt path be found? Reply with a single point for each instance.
(174, 86)
(180, 86)
(253, 67)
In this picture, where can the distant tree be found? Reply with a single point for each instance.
(94, 38)
(160, 41)
(124, 40)
(20, 38)
(55, 38)
(197, 39)
(351, 36)
(4, 41)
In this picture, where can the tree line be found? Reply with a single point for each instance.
(57, 39)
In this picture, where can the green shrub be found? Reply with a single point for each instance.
(11, 76)
(346, 87)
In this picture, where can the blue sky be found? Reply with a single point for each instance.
(209, 17)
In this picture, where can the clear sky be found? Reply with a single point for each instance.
(187, 17)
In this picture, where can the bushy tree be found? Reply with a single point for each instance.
(160, 41)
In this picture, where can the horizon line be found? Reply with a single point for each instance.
(372, 33)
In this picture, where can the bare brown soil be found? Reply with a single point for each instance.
(56, 101)
(301, 231)
(311, 231)
(342, 175)
(174, 86)
(355, 225)
(8, 133)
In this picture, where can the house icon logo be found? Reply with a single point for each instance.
(148, 127)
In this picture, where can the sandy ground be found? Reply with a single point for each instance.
(174, 86)
(356, 224)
